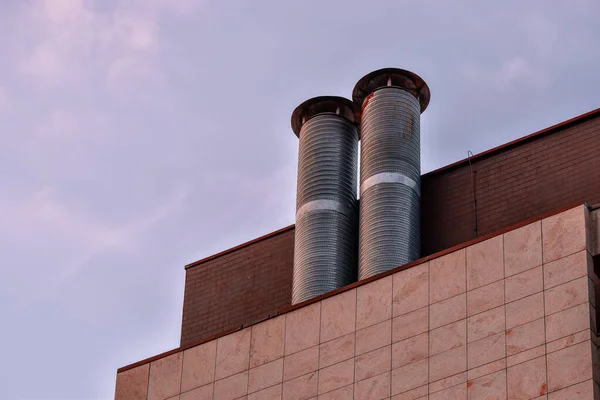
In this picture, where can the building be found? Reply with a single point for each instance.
(501, 304)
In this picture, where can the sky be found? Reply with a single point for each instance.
(137, 136)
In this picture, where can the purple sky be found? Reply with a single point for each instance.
(141, 135)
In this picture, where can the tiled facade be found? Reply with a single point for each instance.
(511, 317)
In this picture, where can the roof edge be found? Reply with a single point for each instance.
(351, 286)
(532, 136)
(240, 246)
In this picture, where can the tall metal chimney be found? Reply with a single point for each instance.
(391, 101)
(326, 238)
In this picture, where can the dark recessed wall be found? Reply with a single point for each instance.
(513, 183)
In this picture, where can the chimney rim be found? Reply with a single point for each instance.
(400, 78)
(323, 105)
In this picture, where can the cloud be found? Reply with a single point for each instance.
(50, 217)
(75, 41)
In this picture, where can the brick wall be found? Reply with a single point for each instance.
(524, 180)
(238, 288)
(513, 183)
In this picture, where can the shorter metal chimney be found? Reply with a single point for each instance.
(326, 237)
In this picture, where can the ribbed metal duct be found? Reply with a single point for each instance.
(390, 169)
(326, 237)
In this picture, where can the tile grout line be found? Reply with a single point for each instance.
(504, 287)
(355, 324)
(283, 356)
(428, 322)
(215, 368)
(249, 357)
(319, 343)
(466, 318)
(544, 305)
(181, 374)
(391, 332)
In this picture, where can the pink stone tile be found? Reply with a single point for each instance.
(410, 350)
(202, 393)
(266, 344)
(265, 375)
(165, 377)
(375, 388)
(419, 393)
(486, 350)
(174, 398)
(447, 364)
(524, 310)
(486, 324)
(448, 337)
(232, 387)
(373, 363)
(525, 337)
(447, 311)
(523, 248)
(374, 337)
(566, 295)
(569, 366)
(564, 234)
(338, 315)
(526, 355)
(301, 388)
(581, 391)
(567, 322)
(524, 284)
(410, 289)
(336, 350)
(302, 328)
(374, 302)
(336, 376)
(302, 362)
(447, 276)
(409, 377)
(345, 393)
(133, 384)
(568, 341)
(448, 382)
(488, 387)
(458, 392)
(528, 380)
(198, 366)
(485, 298)
(485, 262)
(487, 369)
(410, 324)
(233, 353)
(566, 269)
(272, 393)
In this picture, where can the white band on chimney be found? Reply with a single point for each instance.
(390, 177)
(323, 204)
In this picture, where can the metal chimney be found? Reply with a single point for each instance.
(391, 101)
(326, 238)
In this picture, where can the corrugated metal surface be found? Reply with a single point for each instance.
(326, 239)
(390, 179)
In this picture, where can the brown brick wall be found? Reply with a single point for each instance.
(530, 178)
(512, 184)
(238, 288)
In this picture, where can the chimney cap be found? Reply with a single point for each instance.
(401, 78)
(323, 104)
